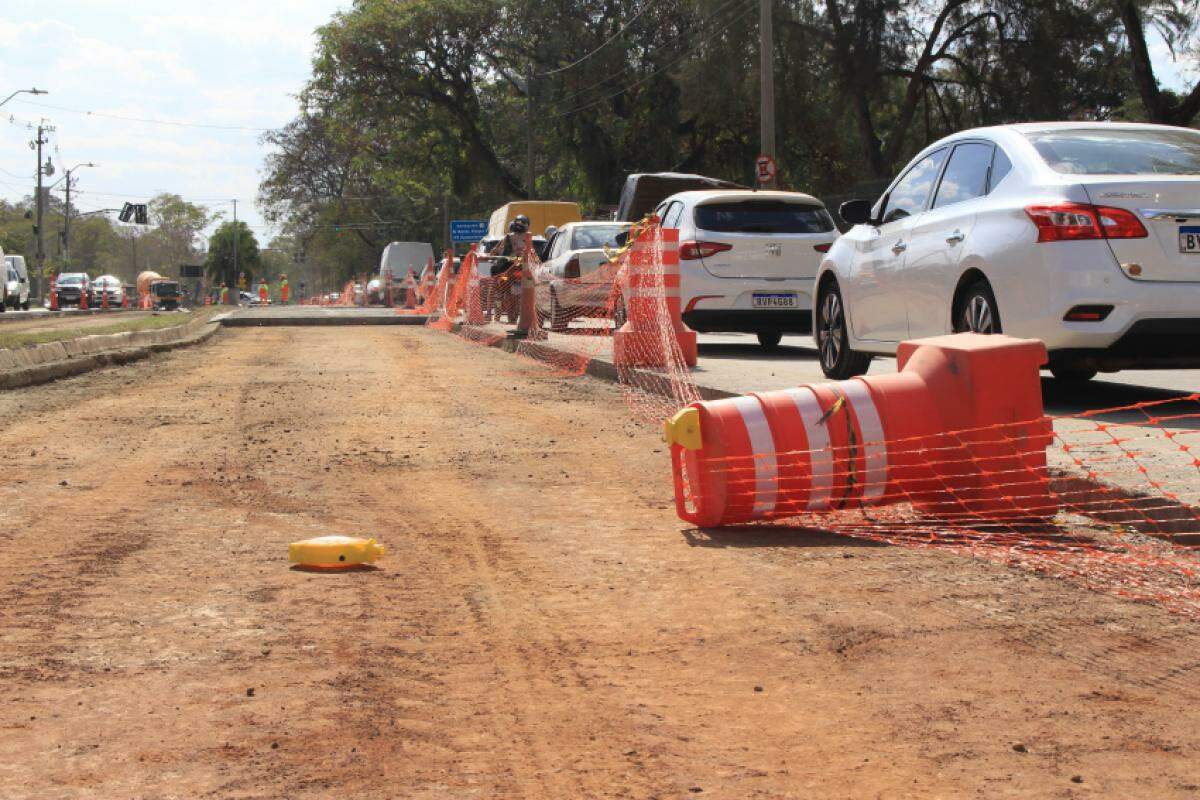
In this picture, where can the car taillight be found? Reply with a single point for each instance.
(689, 251)
(1065, 222)
(823, 248)
(571, 270)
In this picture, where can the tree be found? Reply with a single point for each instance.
(219, 264)
(1175, 22)
(178, 225)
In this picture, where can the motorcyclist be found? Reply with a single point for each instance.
(503, 253)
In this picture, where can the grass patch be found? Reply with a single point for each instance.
(10, 341)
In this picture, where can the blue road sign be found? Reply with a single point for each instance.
(468, 230)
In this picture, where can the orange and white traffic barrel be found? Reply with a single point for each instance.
(959, 431)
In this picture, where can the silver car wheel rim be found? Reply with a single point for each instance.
(830, 332)
(977, 316)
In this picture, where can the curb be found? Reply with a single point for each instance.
(80, 356)
(593, 367)
(249, 321)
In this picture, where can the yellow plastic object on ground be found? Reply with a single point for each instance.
(334, 551)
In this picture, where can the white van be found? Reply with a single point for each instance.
(399, 257)
(16, 282)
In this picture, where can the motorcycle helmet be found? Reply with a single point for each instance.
(520, 224)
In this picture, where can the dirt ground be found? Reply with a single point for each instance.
(543, 625)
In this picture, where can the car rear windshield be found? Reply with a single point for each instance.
(70, 280)
(1093, 151)
(763, 216)
(594, 237)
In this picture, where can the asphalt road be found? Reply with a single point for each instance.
(736, 362)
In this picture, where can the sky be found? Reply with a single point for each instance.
(232, 63)
(218, 62)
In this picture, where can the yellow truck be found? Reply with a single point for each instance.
(542, 214)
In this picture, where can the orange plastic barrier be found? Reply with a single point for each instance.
(648, 284)
(958, 430)
(53, 293)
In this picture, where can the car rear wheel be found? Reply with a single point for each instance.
(620, 317)
(1065, 374)
(977, 311)
(770, 341)
(838, 361)
(558, 322)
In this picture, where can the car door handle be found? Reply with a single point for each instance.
(955, 237)
(899, 247)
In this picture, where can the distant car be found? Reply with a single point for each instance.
(570, 283)
(747, 259)
(108, 285)
(71, 288)
(16, 282)
(335, 296)
(1083, 235)
(375, 292)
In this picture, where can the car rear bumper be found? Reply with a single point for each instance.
(1163, 343)
(733, 320)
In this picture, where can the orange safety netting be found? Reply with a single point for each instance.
(1115, 506)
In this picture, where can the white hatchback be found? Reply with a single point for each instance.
(1084, 235)
(747, 259)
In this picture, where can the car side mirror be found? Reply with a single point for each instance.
(855, 212)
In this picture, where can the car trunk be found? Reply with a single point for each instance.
(768, 239)
(1168, 206)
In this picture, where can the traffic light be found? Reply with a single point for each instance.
(135, 212)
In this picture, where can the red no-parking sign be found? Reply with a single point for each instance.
(765, 168)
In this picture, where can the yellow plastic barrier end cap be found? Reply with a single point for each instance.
(683, 429)
(335, 551)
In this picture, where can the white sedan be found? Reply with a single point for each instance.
(570, 283)
(1084, 235)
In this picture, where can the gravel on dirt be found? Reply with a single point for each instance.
(543, 626)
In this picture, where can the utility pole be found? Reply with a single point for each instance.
(529, 182)
(67, 224)
(39, 257)
(67, 214)
(766, 80)
(236, 289)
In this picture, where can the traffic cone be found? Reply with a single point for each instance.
(53, 293)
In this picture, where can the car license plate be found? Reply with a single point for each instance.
(1189, 239)
(774, 300)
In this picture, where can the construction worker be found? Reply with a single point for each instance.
(224, 293)
(283, 289)
(263, 295)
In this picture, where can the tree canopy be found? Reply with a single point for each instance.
(416, 106)
(220, 266)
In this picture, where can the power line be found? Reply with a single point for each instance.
(620, 73)
(123, 118)
(645, 6)
(748, 7)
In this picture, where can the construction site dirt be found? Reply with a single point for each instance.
(542, 626)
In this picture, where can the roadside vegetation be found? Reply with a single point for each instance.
(59, 333)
